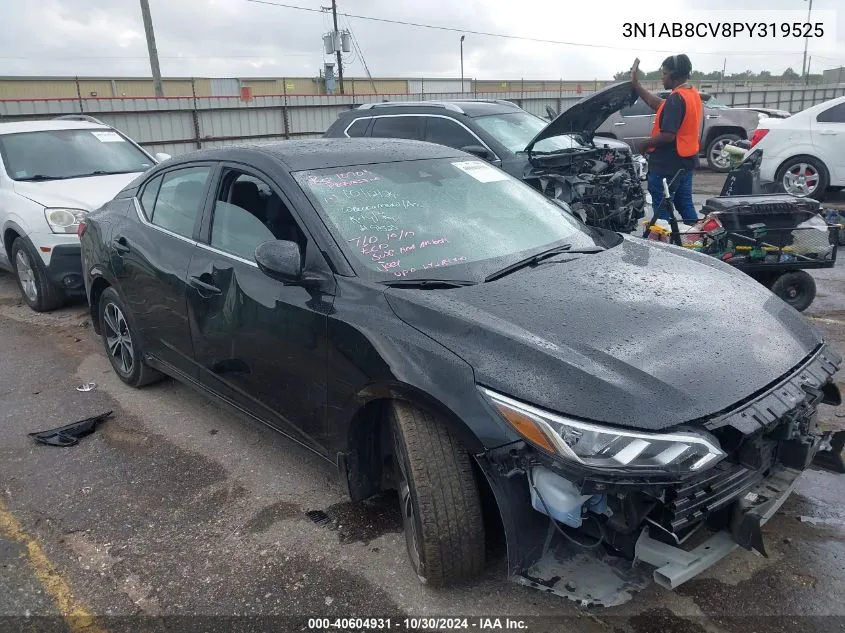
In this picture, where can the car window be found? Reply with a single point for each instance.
(639, 108)
(149, 195)
(58, 154)
(358, 128)
(515, 130)
(445, 132)
(836, 114)
(405, 219)
(180, 200)
(247, 212)
(397, 127)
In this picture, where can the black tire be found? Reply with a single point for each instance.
(31, 275)
(115, 319)
(794, 163)
(716, 144)
(439, 499)
(797, 288)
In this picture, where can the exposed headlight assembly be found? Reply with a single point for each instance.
(64, 220)
(603, 448)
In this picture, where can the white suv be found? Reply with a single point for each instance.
(52, 173)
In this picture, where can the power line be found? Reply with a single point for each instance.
(510, 37)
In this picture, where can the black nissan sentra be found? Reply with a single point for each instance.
(433, 325)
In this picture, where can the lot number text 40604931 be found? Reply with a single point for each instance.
(417, 624)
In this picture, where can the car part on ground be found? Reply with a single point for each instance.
(507, 385)
(70, 434)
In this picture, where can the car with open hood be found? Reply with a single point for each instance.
(52, 173)
(428, 323)
(599, 178)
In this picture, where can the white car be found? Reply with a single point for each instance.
(804, 154)
(52, 173)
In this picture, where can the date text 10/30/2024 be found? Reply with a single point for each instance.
(417, 624)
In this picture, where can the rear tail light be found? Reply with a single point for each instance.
(711, 225)
(758, 135)
(80, 229)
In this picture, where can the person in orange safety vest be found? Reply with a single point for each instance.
(674, 141)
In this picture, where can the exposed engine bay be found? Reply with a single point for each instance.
(602, 185)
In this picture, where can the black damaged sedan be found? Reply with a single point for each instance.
(430, 324)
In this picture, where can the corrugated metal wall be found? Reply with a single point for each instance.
(181, 124)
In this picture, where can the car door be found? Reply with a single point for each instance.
(257, 342)
(151, 256)
(634, 123)
(828, 131)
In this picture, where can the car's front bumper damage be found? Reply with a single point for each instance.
(612, 535)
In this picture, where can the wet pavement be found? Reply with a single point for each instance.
(179, 507)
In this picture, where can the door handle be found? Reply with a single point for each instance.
(619, 123)
(204, 289)
(714, 116)
(120, 245)
(828, 133)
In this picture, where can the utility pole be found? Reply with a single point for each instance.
(151, 46)
(804, 68)
(339, 54)
(462, 62)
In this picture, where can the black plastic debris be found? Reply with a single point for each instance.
(318, 516)
(69, 434)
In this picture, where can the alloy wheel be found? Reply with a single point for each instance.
(801, 179)
(716, 154)
(26, 276)
(119, 339)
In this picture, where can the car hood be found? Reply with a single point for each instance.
(585, 117)
(76, 193)
(643, 335)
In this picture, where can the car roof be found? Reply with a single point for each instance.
(46, 125)
(468, 107)
(320, 153)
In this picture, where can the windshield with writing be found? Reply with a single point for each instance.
(406, 219)
(69, 153)
(515, 130)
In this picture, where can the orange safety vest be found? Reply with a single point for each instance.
(687, 137)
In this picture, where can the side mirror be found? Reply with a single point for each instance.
(480, 151)
(161, 157)
(281, 260)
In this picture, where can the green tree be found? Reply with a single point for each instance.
(790, 74)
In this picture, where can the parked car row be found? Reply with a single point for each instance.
(431, 323)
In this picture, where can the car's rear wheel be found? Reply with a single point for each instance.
(803, 177)
(121, 342)
(439, 498)
(715, 160)
(797, 288)
(31, 274)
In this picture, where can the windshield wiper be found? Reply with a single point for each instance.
(538, 257)
(101, 172)
(40, 178)
(428, 284)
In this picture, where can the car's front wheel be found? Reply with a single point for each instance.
(121, 342)
(439, 498)
(31, 274)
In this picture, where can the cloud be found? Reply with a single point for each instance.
(231, 38)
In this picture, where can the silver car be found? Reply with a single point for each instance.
(721, 124)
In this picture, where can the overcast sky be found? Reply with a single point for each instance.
(237, 38)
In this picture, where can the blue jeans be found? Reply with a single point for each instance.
(682, 196)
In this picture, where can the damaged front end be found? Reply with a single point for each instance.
(594, 501)
(602, 185)
(599, 178)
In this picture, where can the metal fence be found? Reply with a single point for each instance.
(181, 124)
